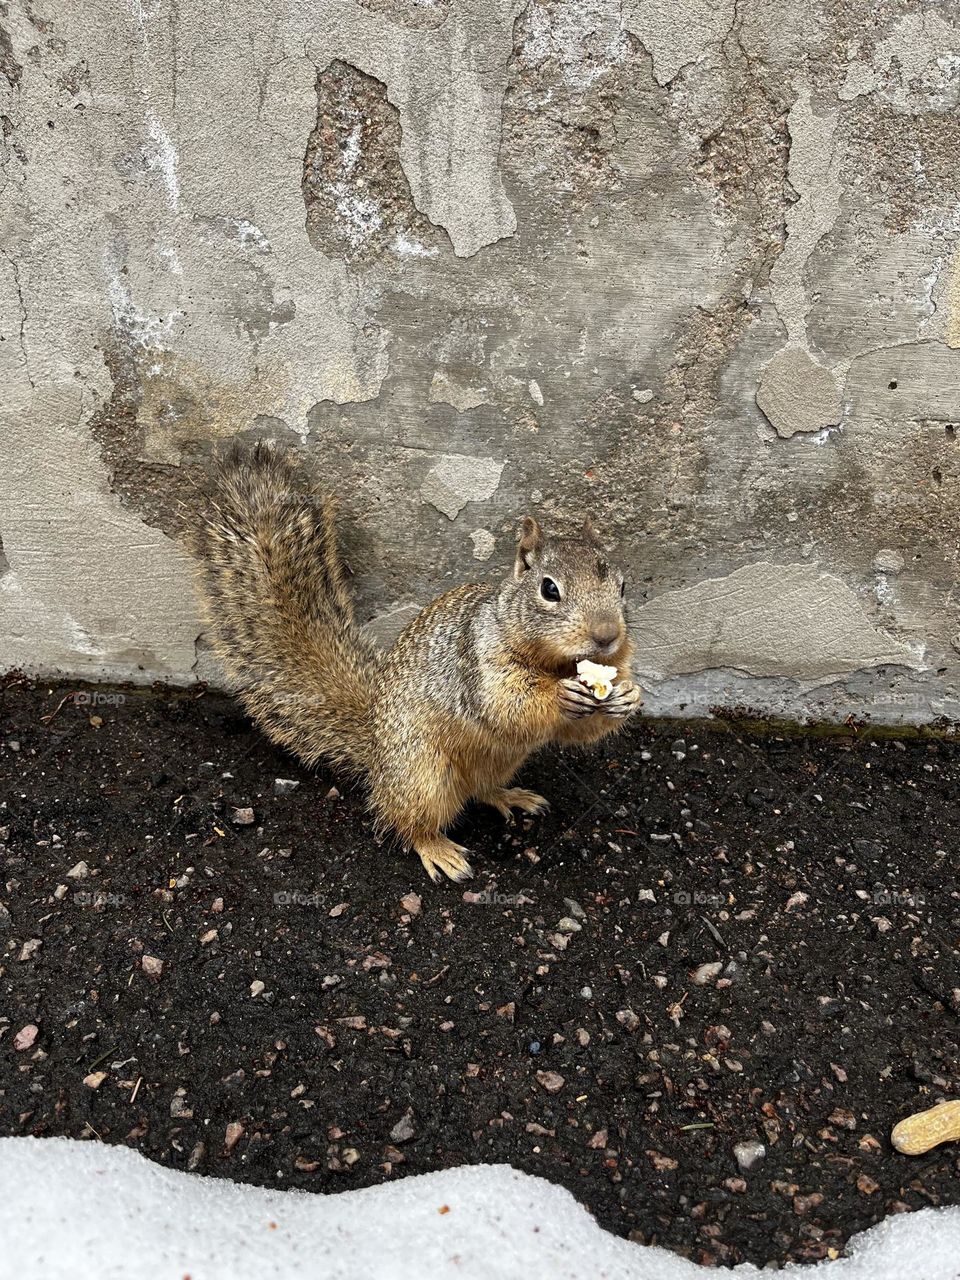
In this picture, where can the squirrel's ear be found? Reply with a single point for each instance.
(590, 531)
(528, 544)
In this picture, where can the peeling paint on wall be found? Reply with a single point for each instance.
(457, 480)
(691, 267)
(798, 621)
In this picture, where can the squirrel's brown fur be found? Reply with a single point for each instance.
(478, 680)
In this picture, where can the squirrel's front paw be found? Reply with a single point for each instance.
(623, 701)
(576, 700)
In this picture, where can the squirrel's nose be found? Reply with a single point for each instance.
(604, 634)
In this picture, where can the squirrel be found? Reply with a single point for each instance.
(482, 677)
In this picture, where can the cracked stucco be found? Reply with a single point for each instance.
(692, 267)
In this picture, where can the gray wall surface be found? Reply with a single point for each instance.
(689, 264)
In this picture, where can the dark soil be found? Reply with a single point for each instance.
(390, 1036)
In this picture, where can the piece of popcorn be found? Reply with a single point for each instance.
(597, 678)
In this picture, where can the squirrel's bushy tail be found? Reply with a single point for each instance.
(278, 613)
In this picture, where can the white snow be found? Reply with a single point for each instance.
(83, 1211)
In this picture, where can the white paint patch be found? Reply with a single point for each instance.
(83, 642)
(162, 156)
(883, 590)
(359, 215)
(584, 36)
(171, 260)
(407, 248)
(150, 332)
(250, 235)
(144, 11)
(822, 437)
(350, 151)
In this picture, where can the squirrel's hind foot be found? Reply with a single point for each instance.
(506, 799)
(441, 857)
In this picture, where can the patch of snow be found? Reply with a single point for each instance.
(74, 1210)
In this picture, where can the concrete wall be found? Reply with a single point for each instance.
(691, 264)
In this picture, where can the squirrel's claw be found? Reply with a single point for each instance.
(441, 857)
(623, 701)
(527, 801)
(576, 700)
(505, 799)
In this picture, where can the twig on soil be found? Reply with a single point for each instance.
(96, 1062)
(715, 933)
(52, 715)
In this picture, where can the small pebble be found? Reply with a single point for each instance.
(25, 1037)
(285, 786)
(552, 1081)
(404, 1129)
(243, 817)
(705, 973)
(232, 1136)
(748, 1154)
(179, 1110)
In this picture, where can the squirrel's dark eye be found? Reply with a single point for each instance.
(623, 589)
(549, 590)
